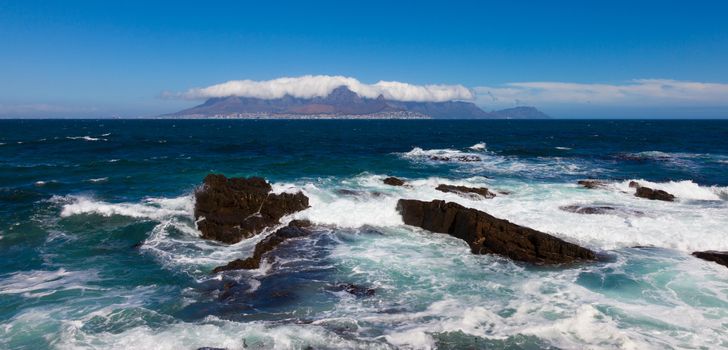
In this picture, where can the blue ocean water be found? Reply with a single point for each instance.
(100, 249)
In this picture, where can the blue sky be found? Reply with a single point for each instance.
(99, 58)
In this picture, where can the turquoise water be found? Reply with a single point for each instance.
(100, 250)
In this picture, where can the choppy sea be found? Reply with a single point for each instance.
(99, 247)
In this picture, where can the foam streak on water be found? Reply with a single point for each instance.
(100, 248)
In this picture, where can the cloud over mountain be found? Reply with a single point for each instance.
(310, 86)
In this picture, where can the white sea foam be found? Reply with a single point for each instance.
(99, 179)
(681, 189)
(480, 146)
(150, 208)
(490, 162)
(39, 283)
(85, 138)
(563, 148)
(682, 225)
(440, 287)
(328, 208)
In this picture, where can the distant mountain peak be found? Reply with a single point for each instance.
(344, 103)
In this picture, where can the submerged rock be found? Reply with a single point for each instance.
(297, 228)
(600, 209)
(463, 190)
(714, 256)
(591, 184)
(393, 181)
(486, 234)
(354, 289)
(229, 210)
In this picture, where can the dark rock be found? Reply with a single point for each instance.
(393, 181)
(297, 228)
(600, 209)
(660, 195)
(229, 210)
(463, 190)
(486, 234)
(591, 184)
(634, 184)
(354, 289)
(714, 256)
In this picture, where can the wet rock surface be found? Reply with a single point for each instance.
(486, 234)
(714, 256)
(393, 181)
(591, 184)
(297, 228)
(649, 193)
(466, 191)
(231, 209)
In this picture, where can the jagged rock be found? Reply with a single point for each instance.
(463, 190)
(295, 229)
(591, 184)
(660, 195)
(486, 234)
(714, 256)
(600, 209)
(229, 210)
(393, 181)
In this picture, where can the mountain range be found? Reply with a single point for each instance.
(342, 103)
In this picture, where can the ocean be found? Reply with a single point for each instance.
(99, 247)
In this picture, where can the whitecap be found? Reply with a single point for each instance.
(480, 146)
(99, 179)
(86, 138)
(150, 208)
(685, 189)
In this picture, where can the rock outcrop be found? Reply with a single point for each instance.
(591, 184)
(714, 256)
(295, 229)
(229, 210)
(393, 181)
(466, 191)
(486, 234)
(649, 193)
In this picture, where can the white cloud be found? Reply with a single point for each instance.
(309, 86)
(636, 93)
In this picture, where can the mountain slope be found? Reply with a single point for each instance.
(341, 103)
